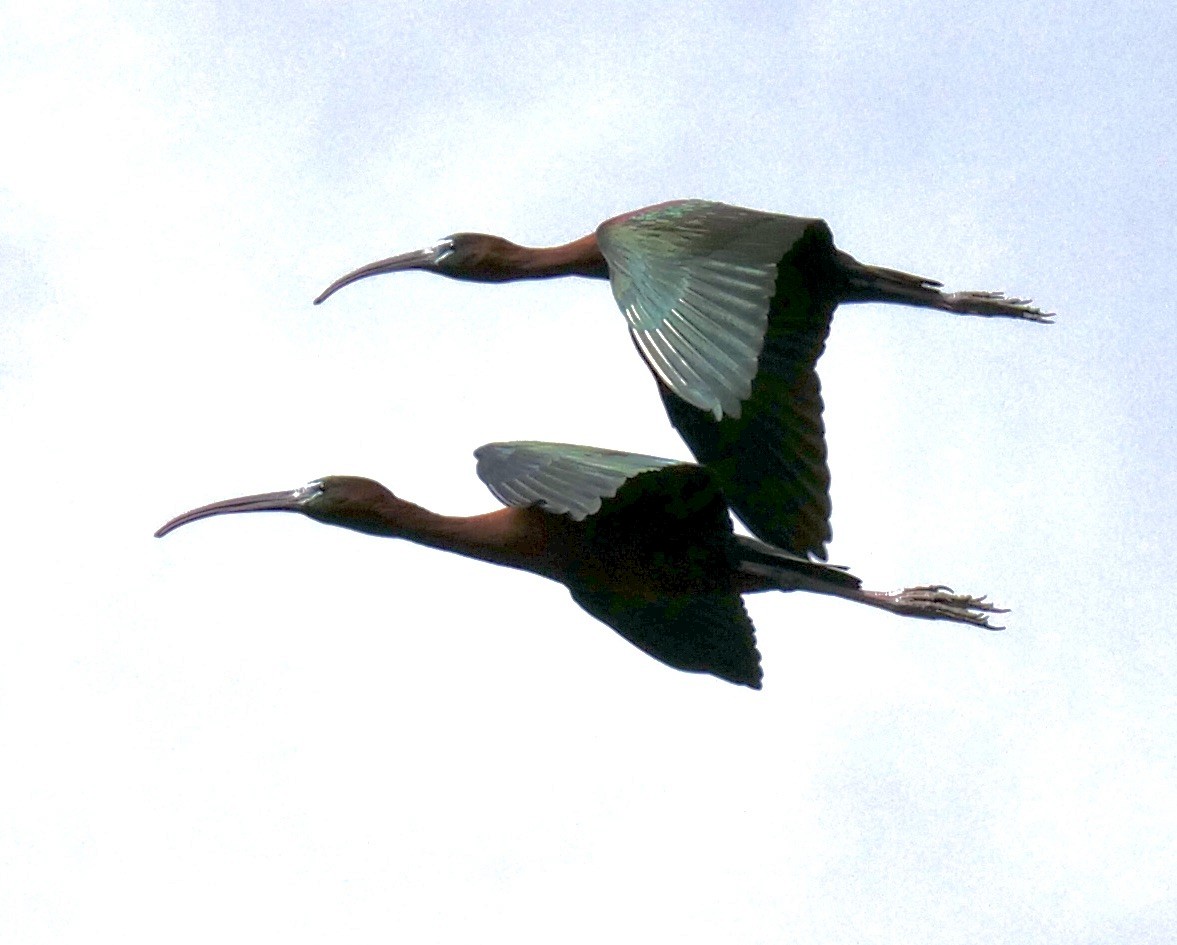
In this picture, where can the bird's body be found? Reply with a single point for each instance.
(730, 309)
(643, 544)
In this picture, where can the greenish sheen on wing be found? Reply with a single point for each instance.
(559, 477)
(771, 460)
(695, 280)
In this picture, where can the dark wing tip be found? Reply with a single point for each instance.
(755, 682)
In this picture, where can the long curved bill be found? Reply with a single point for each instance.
(417, 259)
(290, 500)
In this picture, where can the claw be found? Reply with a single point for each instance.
(939, 602)
(996, 303)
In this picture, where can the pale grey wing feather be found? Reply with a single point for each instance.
(695, 280)
(559, 477)
(771, 460)
(703, 633)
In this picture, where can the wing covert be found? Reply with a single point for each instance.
(559, 477)
(695, 280)
(771, 459)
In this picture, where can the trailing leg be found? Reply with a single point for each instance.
(876, 284)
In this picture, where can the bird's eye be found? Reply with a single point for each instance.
(310, 491)
(443, 249)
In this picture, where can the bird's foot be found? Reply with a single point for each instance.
(937, 602)
(995, 304)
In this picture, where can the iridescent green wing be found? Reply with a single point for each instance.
(559, 477)
(771, 460)
(695, 280)
(663, 525)
(709, 633)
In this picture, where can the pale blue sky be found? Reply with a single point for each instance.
(261, 729)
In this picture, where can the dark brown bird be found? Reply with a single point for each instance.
(644, 544)
(730, 309)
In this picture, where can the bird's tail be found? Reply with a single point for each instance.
(862, 283)
(780, 570)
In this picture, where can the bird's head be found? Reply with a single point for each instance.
(362, 505)
(478, 257)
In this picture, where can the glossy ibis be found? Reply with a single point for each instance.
(644, 544)
(730, 309)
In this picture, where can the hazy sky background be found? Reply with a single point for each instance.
(264, 730)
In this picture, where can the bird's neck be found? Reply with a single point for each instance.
(514, 538)
(581, 257)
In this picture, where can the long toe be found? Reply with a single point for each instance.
(995, 304)
(935, 601)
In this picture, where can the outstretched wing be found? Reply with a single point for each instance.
(698, 634)
(660, 566)
(655, 555)
(771, 460)
(695, 280)
(559, 477)
(756, 291)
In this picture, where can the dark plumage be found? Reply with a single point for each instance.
(643, 544)
(730, 309)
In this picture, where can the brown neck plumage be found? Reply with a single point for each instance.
(512, 537)
(581, 257)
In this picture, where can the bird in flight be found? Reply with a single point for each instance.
(644, 544)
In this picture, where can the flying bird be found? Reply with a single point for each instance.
(730, 309)
(643, 544)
